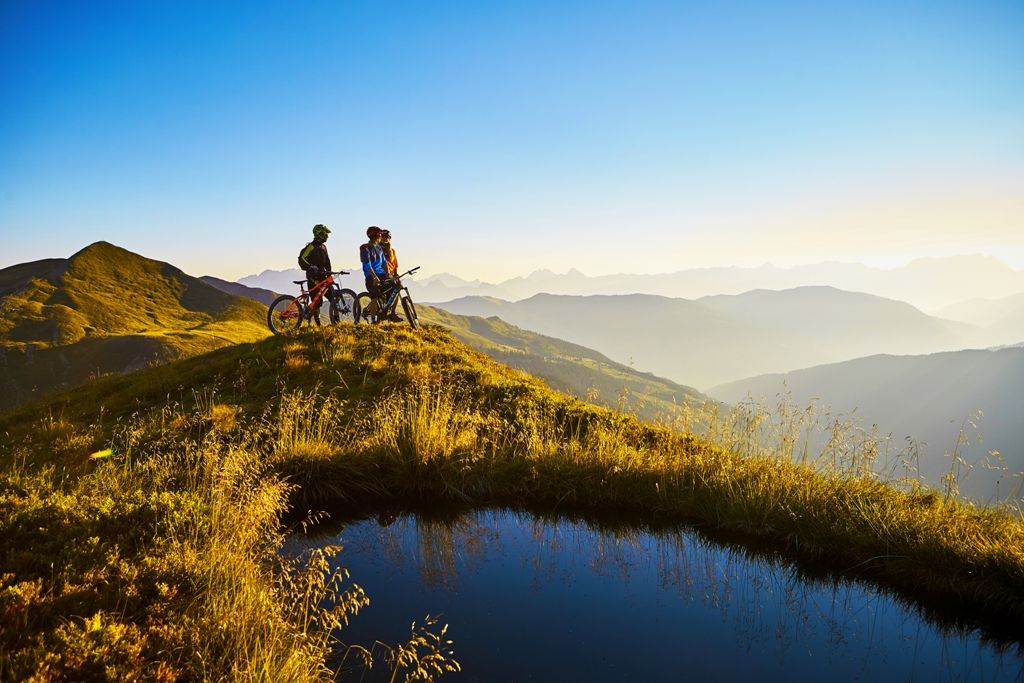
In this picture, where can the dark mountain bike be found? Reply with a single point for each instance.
(288, 313)
(378, 309)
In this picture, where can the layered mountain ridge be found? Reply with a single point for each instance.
(722, 338)
(927, 283)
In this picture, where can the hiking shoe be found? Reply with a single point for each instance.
(395, 318)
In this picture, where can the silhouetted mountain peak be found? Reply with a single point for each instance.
(99, 248)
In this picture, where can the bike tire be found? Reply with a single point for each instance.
(285, 314)
(363, 301)
(345, 307)
(410, 311)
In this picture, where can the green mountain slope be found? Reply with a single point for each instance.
(264, 296)
(107, 310)
(565, 366)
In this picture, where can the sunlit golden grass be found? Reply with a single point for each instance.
(186, 517)
(165, 567)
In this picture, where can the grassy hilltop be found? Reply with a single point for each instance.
(564, 366)
(166, 547)
(106, 310)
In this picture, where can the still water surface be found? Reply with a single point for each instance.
(530, 599)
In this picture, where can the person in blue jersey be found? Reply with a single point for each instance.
(375, 266)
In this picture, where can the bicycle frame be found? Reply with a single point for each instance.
(390, 294)
(316, 294)
(310, 298)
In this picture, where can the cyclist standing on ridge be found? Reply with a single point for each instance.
(391, 261)
(375, 266)
(314, 258)
(390, 256)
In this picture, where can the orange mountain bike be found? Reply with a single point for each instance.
(288, 313)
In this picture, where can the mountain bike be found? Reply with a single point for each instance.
(377, 309)
(288, 313)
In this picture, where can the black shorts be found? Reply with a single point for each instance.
(374, 289)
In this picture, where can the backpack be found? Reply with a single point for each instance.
(303, 253)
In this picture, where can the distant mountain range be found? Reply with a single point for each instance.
(1002, 318)
(283, 281)
(106, 310)
(723, 338)
(929, 283)
(927, 397)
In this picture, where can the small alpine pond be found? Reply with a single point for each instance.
(531, 598)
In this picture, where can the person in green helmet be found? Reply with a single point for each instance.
(314, 258)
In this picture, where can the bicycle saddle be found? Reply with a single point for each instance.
(299, 282)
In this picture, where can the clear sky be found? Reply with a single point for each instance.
(498, 138)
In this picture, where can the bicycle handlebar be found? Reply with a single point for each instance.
(325, 273)
(409, 272)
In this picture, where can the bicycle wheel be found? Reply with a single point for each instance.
(286, 314)
(345, 307)
(410, 311)
(367, 308)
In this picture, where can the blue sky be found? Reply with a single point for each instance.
(494, 139)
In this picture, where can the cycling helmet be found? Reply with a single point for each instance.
(321, 231)
(373, 231)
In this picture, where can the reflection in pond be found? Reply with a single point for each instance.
(530, 599)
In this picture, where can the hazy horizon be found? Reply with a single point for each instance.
(767, 264)
(948, 287)
(427, 272)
